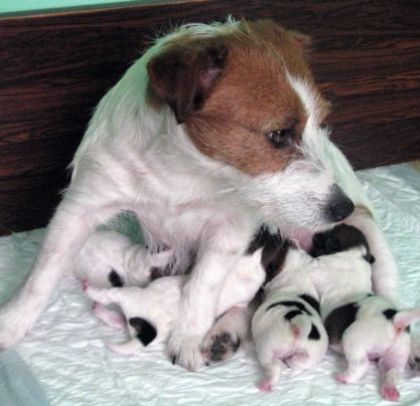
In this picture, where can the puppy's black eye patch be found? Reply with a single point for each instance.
(146, 332)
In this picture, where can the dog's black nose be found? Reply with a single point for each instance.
(339, 206)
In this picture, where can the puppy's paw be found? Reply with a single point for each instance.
(265, 386)
(185, 351)
(390, 392)
(220, 346)
(342, 378)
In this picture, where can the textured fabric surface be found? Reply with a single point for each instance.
(18, 387)
(66, 351)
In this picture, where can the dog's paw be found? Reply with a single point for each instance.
(185, 351)
(220, 347)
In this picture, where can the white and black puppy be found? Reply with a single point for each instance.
(361, 325)
(108, 258)
(149, 313)
(287, 327)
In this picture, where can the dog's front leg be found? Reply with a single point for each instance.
(66, 233)
(216, 257)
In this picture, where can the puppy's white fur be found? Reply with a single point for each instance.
(344, 278)
(106, 251)
(282, 342)
(134, 157)
(159, 302)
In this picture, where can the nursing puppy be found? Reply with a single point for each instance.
(215, 129)
(287, 328)
(361, 325)
(108, 258)
(149, 313)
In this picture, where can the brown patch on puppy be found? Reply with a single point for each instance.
(246, 114)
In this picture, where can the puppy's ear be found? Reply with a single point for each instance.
(182, 75)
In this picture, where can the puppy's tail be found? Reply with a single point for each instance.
(301, 326)
(404, 318)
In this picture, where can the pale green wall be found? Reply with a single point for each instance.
(12, 6)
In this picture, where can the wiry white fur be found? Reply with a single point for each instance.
(282, 343)
(133, 157)
(316, 143)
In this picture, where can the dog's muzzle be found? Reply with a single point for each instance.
(339, 205)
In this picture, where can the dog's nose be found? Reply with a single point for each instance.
(339, 206)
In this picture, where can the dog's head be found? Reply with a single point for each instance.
(245, 97)
(341, 238)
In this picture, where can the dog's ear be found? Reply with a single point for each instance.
(182, 75)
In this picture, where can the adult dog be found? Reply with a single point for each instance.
(215, 129)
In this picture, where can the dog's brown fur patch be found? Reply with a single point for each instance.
(251, 97)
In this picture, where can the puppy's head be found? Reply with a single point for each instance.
(246, 99)
(341, 238)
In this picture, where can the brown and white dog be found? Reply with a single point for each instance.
(213, 130)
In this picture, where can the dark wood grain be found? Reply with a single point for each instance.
(54, 69)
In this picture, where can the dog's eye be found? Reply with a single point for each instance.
(280, 137)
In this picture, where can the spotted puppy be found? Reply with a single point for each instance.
(361, 325)
(108, 258)
(287, 327)
(149, 313)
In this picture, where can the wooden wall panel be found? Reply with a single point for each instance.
(54, 69)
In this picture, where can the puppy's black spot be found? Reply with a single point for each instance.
(339, 320)
(340, 238)
(408, 329)
(311, 301)
(274, 251)
(292, 314)
(115, 279)
(158, 272)
(389, 313)
(173, 359)
(290, 303)
(314, 333)
(146, 332)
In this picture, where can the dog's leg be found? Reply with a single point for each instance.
(110, 317)
(216, 257)
(65, 236)
(228, 333)
(392, 365)
(354, 349)
(272, 371)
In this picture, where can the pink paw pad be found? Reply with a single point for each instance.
(342, 378)
(265, 386)
(391, 393)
